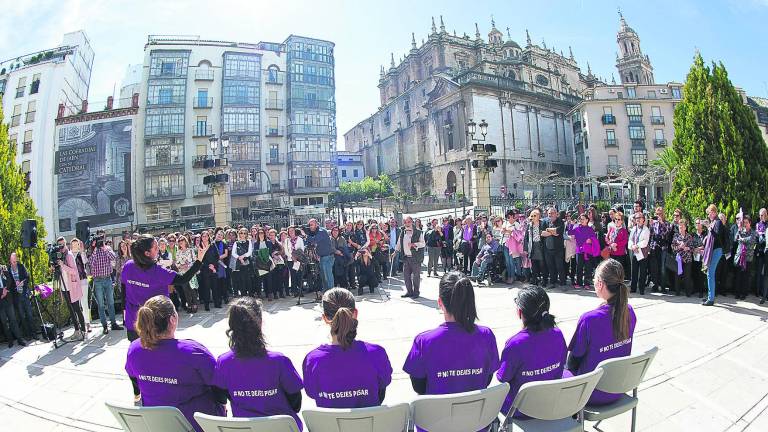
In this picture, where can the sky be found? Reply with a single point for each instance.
(366, 32)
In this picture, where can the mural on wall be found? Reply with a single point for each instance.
(93, 164)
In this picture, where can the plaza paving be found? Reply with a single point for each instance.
(710, 373)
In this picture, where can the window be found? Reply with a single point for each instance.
(170, 92)
(656, 117)
(656, 111)
(631, 92)
(165, 95)
(158, 212)
(163, 152)
(245, 148)
(240, 120)
(202, 98)
(274, 152)
(589, 169)
(613, 163)
(354, 173)
(168, 68)
(387, 118)
(20, 87)
(344, 173)
(620, 95)
(164, 121)
(35, 86)
(639, 157)
(636, 132)
(16, 117)
(168, 63)
(27, 143)
(651, 94)
(676, 92)
(610, 137)
(240, 92)
(31, 109)
(658, 137)
(13, 140)
(272, 74)
(163, 184)
(634, 110)
(26, 166)
(607, 110)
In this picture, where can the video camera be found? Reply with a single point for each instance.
(96, 241)
(55, 254)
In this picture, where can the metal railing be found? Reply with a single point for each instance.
(164, 192)
(635, 120)
(202, 102)
(275, 131)
(201, 190)
(609, 119)
(311, 129)
(15, 120)
(199, 161)
(611, 142)
(312, 103)
(166, 100)
(657, 120)
(312, 183)
(202, 130)
(659, 142)
(30, 117)
(275, 159)
(311, 156)
(274, 77)
(638, 142)
(204, 75)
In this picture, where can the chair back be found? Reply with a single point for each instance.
(150, 419)
(623, 374)
(459, 412)
(277, 423)
(374, 419)
(556, 399)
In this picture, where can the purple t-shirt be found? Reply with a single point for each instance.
(140, 286)
(258, 386)
(593, 342)
(177, 373)
(531, 356)
(452, 359)
(351, 378)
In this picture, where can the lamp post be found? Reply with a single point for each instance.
(463, 171)
(522, 182)
(455, 199)
(484, 165)
(218, 179)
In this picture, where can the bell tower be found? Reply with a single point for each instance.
(634, 67)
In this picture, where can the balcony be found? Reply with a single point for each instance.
(274, 77)
(275, 131)
(204, 75)
(609, 119)
(202, 130)
(611, 142)
(166, 100)
(312, 184)
(30, 117)
(199, 161)
(660, 142)
(312, 103)
(279, 186)
(164, 193)
(638, 143)
(16, 120)
(312, 156)
(26, 147)
(202, 102)
(657, 120)
(274, 104)
(201, 190)
(577, 126)
(311, 129)
(635, 120)
(612, 169)
(275, 159)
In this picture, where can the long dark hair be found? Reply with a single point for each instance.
(458, 298)
(339, 308)
(533, 302)
(245, 336)
(139, 247)
(611, 272)
(153, 318)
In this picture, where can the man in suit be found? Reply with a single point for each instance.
(7, 315)
(410, 246)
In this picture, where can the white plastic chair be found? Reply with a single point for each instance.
(620, 375)
(374, 419)
(277, 423)
(459, 412)
(150, 419)
(551, 404)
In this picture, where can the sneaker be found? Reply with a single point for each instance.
(116, 326)
(106, 330)
(21, 342)
(708, 303)
(577, 286)
(588, 287)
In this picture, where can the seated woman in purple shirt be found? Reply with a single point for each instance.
(345, 373)
(535, 353)
(171, 372)
(143, 279)
(435, 364)
(257, 381)
(605, 332)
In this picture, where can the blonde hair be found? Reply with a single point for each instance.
(152, 320)
(711, 208)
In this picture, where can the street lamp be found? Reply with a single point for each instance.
(463, 171)
(522, 181)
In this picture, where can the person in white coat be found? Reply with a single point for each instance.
(292, 243)
(639, 238)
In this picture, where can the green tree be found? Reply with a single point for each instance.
(718, 151)
(15, 207)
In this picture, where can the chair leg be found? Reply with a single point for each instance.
(634, 418)
(581, 419)
(597, 424)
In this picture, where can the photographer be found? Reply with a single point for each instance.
(68, 277)
(101, 271)
(7, 315)
(325, 250)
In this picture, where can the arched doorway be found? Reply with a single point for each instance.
(450, 182)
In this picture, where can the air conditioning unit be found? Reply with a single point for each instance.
(664, 91)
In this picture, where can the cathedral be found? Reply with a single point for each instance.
(418, 136)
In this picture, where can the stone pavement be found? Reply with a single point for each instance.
(710, 373)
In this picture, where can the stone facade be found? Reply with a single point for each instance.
(418, 135)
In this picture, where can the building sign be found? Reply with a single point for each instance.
(92, 165)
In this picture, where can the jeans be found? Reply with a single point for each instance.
(479, 269)
(711, 271)
(326, 270)
(24, 305)
(102, 290)
(509, 263)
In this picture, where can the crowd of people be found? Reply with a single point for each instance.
(350, 373)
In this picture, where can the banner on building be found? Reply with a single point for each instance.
(93, 164)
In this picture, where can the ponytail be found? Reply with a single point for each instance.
(152, 320)
(339, 309)
(611, 272)
(138, 249)
(533, 302)
(245, 334)
(458, 297)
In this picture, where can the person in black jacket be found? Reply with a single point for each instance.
(22, 300)
(554, 248)
(7, 315)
